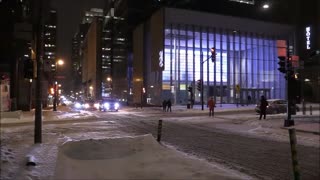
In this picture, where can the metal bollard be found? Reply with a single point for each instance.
(310, 110)
(293, 142)
(159, 130)
(31, 161)
(304, 108)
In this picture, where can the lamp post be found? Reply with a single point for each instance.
(60, 63)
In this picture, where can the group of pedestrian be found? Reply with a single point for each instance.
(263, 106)
(166, 105)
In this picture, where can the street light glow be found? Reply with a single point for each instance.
(60, 62)
(265, 6)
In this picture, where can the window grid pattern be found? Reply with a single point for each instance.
(244, 59)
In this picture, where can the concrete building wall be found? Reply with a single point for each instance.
(180, 16)
(138, 59)
(91, 77)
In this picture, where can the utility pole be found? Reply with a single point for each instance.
(38, 109)
(201, 77)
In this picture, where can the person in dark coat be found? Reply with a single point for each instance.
(164, 105)
(249, 100)
(263, 107)
(169, 105)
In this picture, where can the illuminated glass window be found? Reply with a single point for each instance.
(242, 59)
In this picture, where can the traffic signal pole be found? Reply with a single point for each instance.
(201, 72)
(38, 108)
(288, 121)
(201, 77)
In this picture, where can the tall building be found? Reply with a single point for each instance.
(87, 51)
(172, 52)
(77, 41)
(16, 42)
(285, 12)
(49, 55)
(50, 42)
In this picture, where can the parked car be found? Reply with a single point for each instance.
(109, 105)
(276, 106)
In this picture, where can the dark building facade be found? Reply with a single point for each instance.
(19, 23)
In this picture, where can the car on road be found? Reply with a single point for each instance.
(87, 105)
(109, 105)
(276, 106)
(90, 105)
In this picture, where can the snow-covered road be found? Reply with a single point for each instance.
(235, 141)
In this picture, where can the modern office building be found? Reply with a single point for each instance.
(172, 52)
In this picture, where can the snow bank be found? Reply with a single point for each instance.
(139, 157)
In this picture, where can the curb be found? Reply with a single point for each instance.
(303, 131)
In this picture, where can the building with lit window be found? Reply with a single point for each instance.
(50, 41)
(171, 52)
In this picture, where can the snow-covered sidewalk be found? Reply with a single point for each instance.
(63, 113)
(139, 157)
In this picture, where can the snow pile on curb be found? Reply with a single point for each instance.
(139, 157)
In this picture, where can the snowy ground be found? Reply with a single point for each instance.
(103, 150)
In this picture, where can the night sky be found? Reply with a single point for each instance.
(70, 13)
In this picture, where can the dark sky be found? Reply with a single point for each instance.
(70, 13)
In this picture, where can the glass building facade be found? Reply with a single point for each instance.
(245, 64)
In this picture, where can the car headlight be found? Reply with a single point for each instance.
(116, 105)
(86, 105)
(77, 105)
(96, 105)
(106, 105)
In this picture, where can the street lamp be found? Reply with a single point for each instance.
(265, 6)
(59, 62)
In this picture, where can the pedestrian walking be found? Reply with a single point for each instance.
(164, 105)
(263, 107)
(248, 100)
(211, 104)
(169, 105)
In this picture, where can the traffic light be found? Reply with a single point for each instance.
(199, 85)
(213, 54)
(190, 89)
(28, 69)
(290, 70)
(282, 64)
